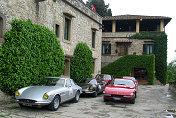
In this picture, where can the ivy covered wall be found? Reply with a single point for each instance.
(124, 66)
(160, 51)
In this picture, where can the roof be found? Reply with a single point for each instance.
(137, 17)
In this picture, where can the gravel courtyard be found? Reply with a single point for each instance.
(153, 101)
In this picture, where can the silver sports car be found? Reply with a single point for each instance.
(56, 91)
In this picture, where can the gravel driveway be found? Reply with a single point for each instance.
(153, 101)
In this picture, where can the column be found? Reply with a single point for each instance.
(113, 26)
(137, 26)
(161, 25)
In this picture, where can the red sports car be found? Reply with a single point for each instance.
(132, 78)
(105, 78)
(120, 90)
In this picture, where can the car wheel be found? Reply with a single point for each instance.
(135, 95)
(21, 105)
(76, 98)
(95, 94)
(105, 100)
(54, 105)
(133, 101)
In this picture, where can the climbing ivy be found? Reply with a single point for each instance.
(160, 40)
(124, 66)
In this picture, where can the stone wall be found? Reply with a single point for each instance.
(49, 13)
(135, 45)
(5, 98)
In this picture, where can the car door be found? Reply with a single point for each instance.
(69, 92)
(101, 85)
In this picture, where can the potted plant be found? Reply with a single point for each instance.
(143, 53)
(134, 53)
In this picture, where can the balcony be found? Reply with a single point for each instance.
(117, 34)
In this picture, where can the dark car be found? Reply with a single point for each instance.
(92, 86)
(105, 78)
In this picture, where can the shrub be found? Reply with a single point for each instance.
(81, 63)
(124, 66)
(30, 52)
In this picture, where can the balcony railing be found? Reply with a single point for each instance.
(117, 34)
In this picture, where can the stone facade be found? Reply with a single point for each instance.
(118, 29)
(50, 13)
(136, 45)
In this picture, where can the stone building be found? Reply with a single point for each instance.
(116, 42)
(71, 20)
(117, 29)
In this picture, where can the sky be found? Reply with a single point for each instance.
(150, 8)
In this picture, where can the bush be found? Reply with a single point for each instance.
(160, 39)
(30, 52)
(81, 63)
(124, 66)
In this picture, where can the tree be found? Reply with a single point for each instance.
(100, 7)
(81, 63)
(30, 53)
(171, 72)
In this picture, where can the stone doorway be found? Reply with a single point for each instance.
(141, 75)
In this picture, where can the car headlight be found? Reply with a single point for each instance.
(132, 94)
(45, 96)
(91, 88)
(17, 93)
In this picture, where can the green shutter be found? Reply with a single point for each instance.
(153, 47)
(109, 49)
(144, 48)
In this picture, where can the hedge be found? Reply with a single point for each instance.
(160, 40)
(81, 63)
(30, 52)
(124, 66)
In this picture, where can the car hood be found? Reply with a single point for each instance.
(119, 90)
(36, 92)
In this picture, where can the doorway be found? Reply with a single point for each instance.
(141, 75)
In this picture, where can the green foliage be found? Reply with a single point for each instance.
(171, 72)
(81, 63)
(100, 7)
(124, 66)
(160, 39)
(30, 52)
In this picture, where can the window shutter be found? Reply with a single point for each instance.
(153, 47)
(109, 49)
(144, 48)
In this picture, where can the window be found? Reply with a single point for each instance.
(148, 48)
(93, 66)
(68, 83)
(1, 27)
(67, 29)
(93, 39)
(57, 30)
(106, 48)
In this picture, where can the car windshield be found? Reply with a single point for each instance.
(53, 81)
(123, 82)
(132, 78)
(104, 77)
(91, 81)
